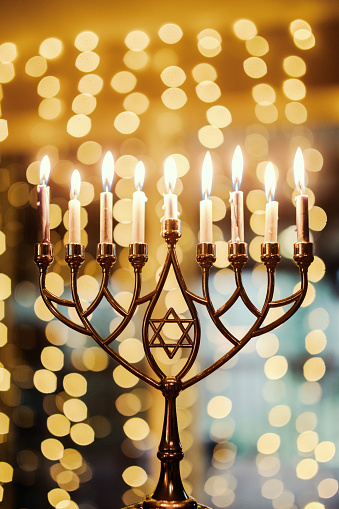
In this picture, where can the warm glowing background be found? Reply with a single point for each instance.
(148, 80)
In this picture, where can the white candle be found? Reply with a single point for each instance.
(236, 198)
(139, 199)
(74, 210)
(301, 200)
(170, 199)
(43, 200)
(271, 219)
(106, 200)
(206, 204)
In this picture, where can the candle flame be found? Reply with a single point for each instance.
(75, 184)
(107, 171)
(170, 174)
(45, 170)
(270, 182)
(206, 176)
(299, 171)
(139, 176)
(237, 168)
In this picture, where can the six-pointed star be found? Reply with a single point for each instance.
(158, 341)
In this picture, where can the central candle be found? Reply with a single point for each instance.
(74, 209)
(170, 199)
(236, 198)
(106, 200)
(206, 204)
(271, 220)
(139, 199)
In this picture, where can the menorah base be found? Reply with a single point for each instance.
(174, 506)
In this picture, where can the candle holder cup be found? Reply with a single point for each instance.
(170, 492)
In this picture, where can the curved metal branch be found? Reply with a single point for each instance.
(287, 300)
(99, 340)
(131, 310)
(101, 292)
(48, 298)
(217, 322)
(196, 298)
(246, 300)
(145, 298)
(228, 304)
(240, 343)
(49, 295)
(300, 295)
(115, 305)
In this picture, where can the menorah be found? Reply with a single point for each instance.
(170, 492)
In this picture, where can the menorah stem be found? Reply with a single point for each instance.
(170, 492)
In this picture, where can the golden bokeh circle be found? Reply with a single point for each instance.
(173, 76)
(204, 72)
(49, 86)
(137, 40)
(126, 122)
(87, 61)
(210, 136)
(170, 33)
(51, 48)
(86, 41)
(219, 116)
(79, 125)
(255, 67)
(294, 66)
(123, 82)
(208, 91)
(296, 112)
(174, 98)
(136, 102)
(257, 46)
(36, 66)
(244, 29)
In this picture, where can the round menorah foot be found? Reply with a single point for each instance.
(173, 506)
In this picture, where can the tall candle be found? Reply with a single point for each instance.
(43, 200)
(302, 199)
(170, 199)
(106, 200)
(139, 199)
(206, 204)
(236, 198)
(271, 219)
(74, 209)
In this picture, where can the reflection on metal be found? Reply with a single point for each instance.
(170, 492)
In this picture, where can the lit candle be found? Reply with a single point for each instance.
(236, 198)
(271, 219)
(170, 199)
(74, 209)
(43, 200)
(106, 200)
(206, 204)
(302, 199)
(139, 199)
